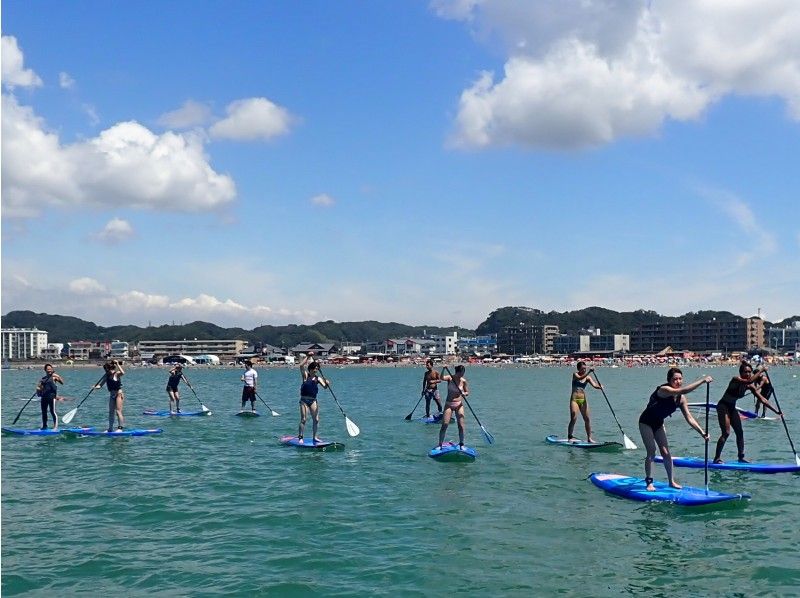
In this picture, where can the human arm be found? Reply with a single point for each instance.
(58, 379)
(761, 399)
(593, 381)
(687, 415)
(666, 390)
(102, 381)
(464, 387)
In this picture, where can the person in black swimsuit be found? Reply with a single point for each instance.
(175, 376)
(728, 415)
(48, 391)
(116, 398)
(665, 400)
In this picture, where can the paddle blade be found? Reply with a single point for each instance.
(408, 417)
(629, 444)
(352, 428)
(69, 415)
(489, 438)
(797, 459)
(275, 414)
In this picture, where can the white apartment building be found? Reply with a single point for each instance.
(23, 343)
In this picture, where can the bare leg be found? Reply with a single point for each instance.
(445, 422)
(460, 420)
(301, 428)
(118, 408)
(586, 422)
(649, 441)
(314, 407)
(573, 417)
(725, 427)
(663, 446)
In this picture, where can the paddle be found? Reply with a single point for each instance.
(408, 417)
(629, 444)
(489, 438)
(272, 411)
(203, 408)
(705, 464)
(785, 427)
(26, 404)
(352, 429)
(69, 415)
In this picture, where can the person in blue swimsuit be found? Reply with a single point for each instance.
(308, 396)
(175, 376)
(577, 400)
(666, 400)
(728, 415)
(48, 392)
(112, 380)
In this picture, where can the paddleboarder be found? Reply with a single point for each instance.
(430, 388)
(112, 379)
(250, 380)
(578, 402)
(766, 390)
(308, 396)
(457, 389)
(175, 376)
(665, 400)
(48, 391)
(728, 416)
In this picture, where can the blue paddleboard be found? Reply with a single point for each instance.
(115, 433)
(36, 432)
(167, 413)
(553, 439)
(247, 413)
(735, 465)
(635, 489)
(432, 419)
(308, 443)
(450, 451)
(743, 413)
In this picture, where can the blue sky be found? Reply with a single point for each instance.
(252, 163)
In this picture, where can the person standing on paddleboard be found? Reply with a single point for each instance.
(766, 390)
(308, 396)
(250, 379)
(48, 391)
(728, 416)
(577, 400)
(116, 398)
(666, 400)
(175, 375)
(430, 387)
(457, 389)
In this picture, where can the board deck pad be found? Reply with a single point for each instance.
(450, 451)
(698, 463)
(578, 443)
(309, 444)
(636, 489)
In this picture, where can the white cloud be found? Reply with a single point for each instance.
(190, 114)
(323, 200)
(586, 72)
(125, 165)
(14, 73)
(115, 231)
(65, 81)
(134, 302)
(252, 118)
(743, 216)
(86, 286)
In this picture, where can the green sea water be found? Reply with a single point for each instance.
(216, 506)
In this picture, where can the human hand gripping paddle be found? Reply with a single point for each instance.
(203, 408)
(629, 444)
(271, 410)
(489, 438)
(352, 428)
(785, 427)
(408, 417)
(69, 415)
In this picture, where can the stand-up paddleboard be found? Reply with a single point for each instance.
(308, 443)
(167, 413)
(247, 413)
(636, 489)
(36, 432)
(114, 433)
(743, 413)
(754, 467)
(450, 451)
(553, 439)
(432, 419)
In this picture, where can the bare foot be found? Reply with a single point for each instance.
(675, 485)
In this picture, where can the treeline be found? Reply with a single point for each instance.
(61, 329)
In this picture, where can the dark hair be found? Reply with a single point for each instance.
(580, 364)
(671, 372)
(248, 363)
(313, 365)
(429, 362)
(47, 364)
(743, 366)
(460, 369)
(106, 366)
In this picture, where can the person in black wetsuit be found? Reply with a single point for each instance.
(766, 390)
(48, 391)
(175, 376)
(113, 381)
(308, 396)
(728, 416)
(665, 400)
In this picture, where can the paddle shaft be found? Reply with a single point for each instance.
(265, 403)
(422, 394)
(609, 403)
(705, 466)
(785, 427)
(28, 402)
(328, 386)
(67, 417)
(192, 389)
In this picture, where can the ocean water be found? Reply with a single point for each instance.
(216, 506)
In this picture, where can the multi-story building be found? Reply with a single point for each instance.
(567, 344)
(23, 343)
(707, 335)
(526, 340)
(222, 348)
(52, 352)
(784, 339)
(119, 350)
(484, 344)
(445, 344)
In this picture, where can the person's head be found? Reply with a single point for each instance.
(581, 365)
(248, 364)
(460, 369)
(313, 367)
(674, 377)
(178, 366)
(107, 367)
(745, 369)
(48, 368)
(429, 363)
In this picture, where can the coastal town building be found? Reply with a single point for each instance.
(52, 352)
(222, 348)
(485, 344)
(526, 339)
(445, 344)
(319, 349)
(119, 350)
(786, 338)
(699, 335)
(594, 343)
(23, 343)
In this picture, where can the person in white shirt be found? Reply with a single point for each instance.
(250, 378)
